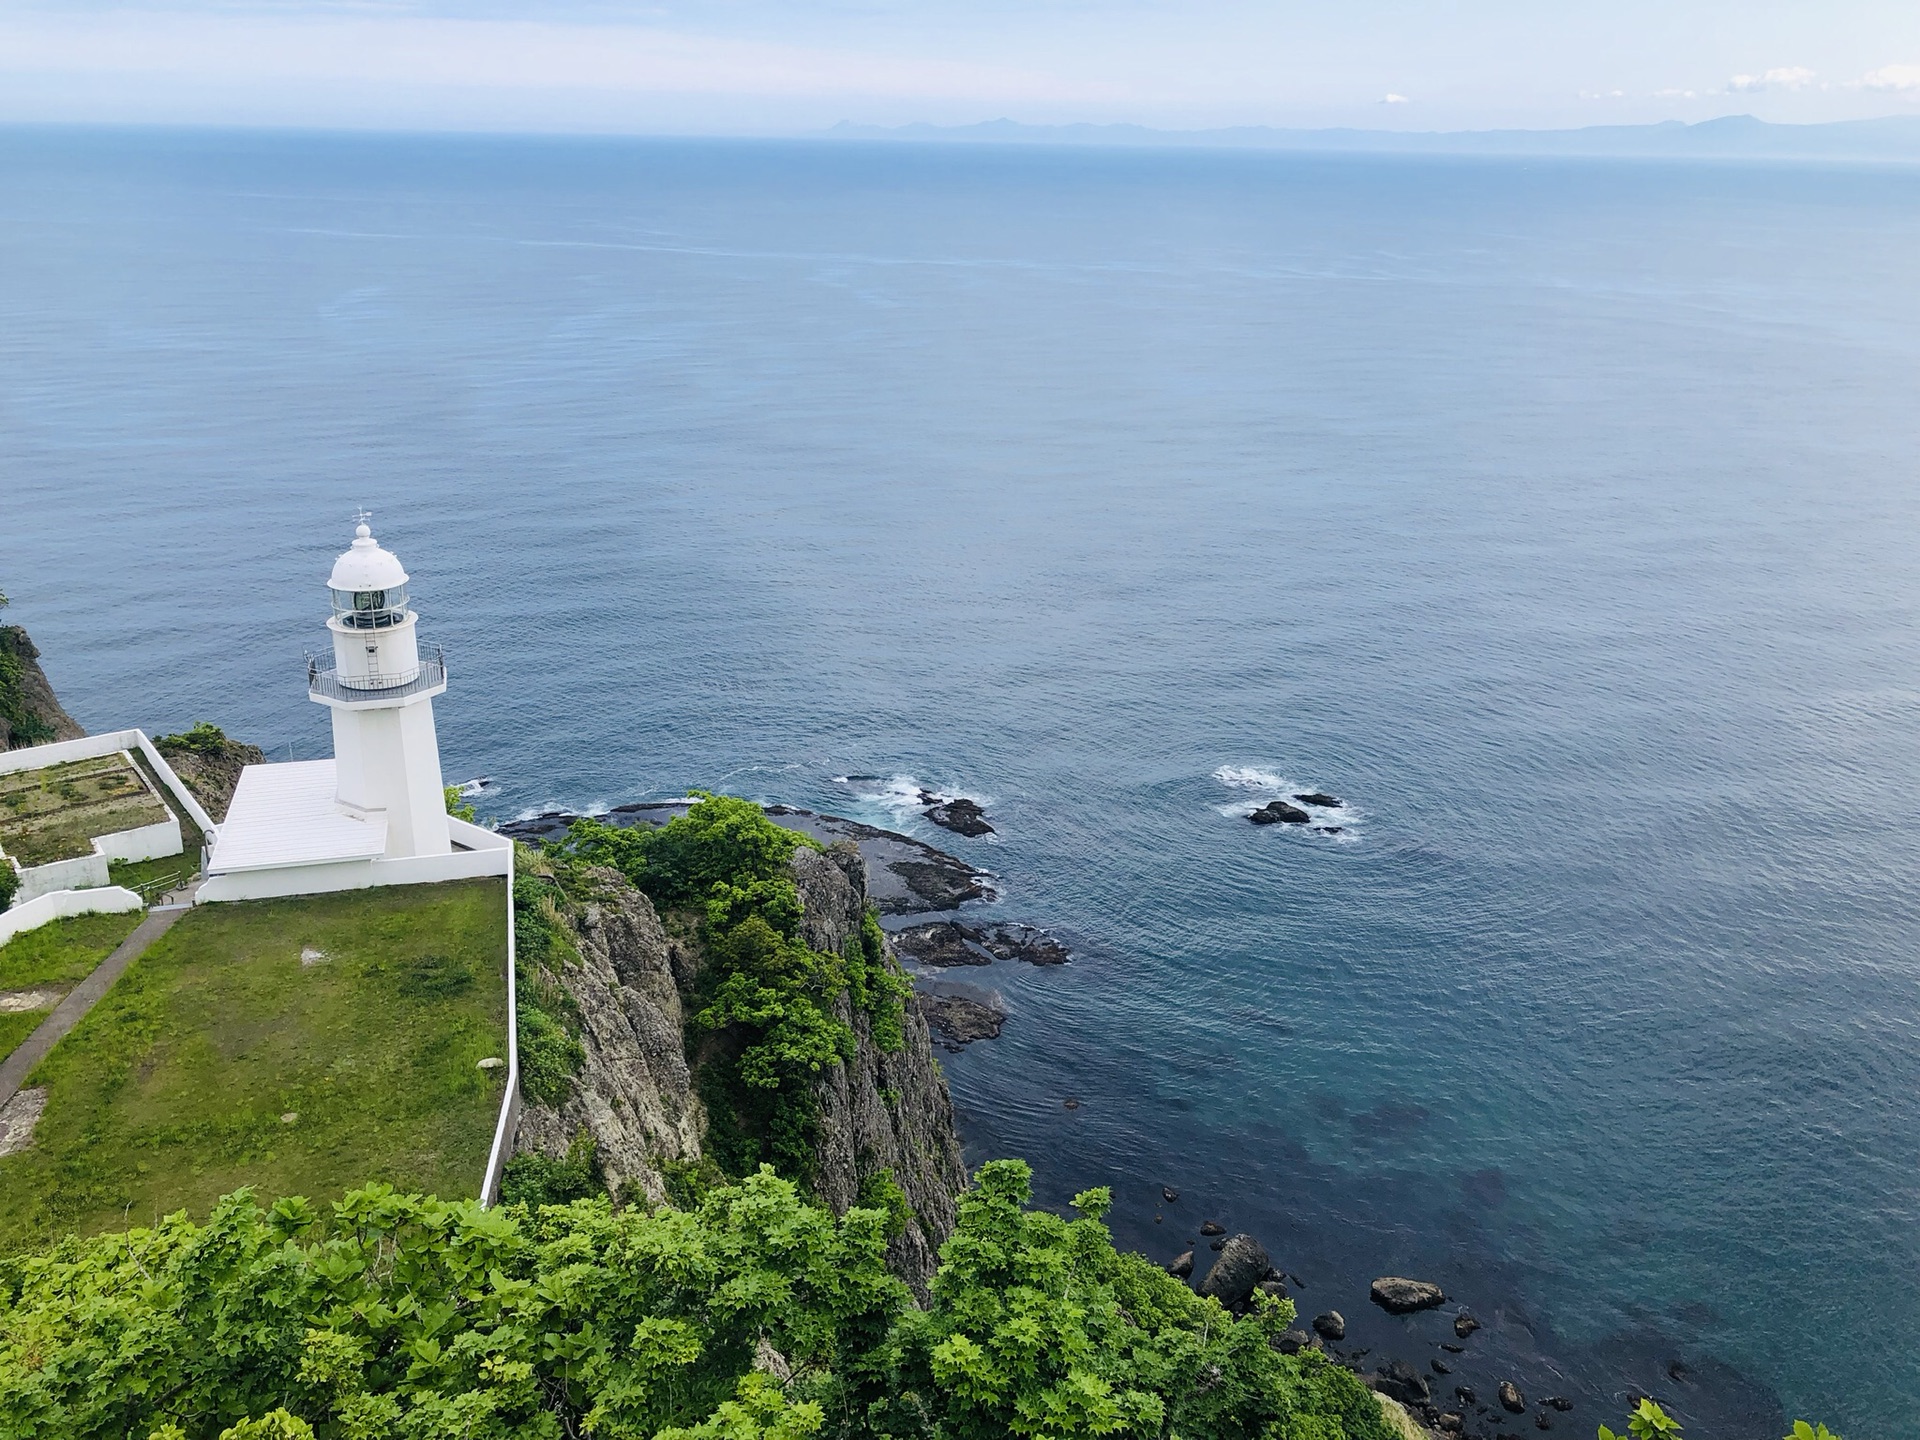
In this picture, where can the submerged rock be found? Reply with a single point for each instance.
(1511, 1400)
(958, 1020)
(942, 943)
(1243, 1262)
(1020, 942)
(1276, 812)
(1169, 1194)
(1319, 798)
(1464, 1324)
(1401, 1296)
(1212, 1227)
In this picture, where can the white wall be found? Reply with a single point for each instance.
(107, 900)
(490, 854)
(144, 842)
(76, 874)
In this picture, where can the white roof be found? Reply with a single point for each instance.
(286, 815)
(365, 566)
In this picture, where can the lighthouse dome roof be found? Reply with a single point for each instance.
(365, 566)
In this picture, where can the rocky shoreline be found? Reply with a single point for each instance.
(1464, 1366)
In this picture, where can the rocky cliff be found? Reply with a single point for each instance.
(628, 981)
(209, 764)
(30, 713)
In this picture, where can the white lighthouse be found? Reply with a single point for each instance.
(386, 755)
(374, 814)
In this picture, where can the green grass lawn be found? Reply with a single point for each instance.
(172, 1091)
(63, 951)
(15, 1026)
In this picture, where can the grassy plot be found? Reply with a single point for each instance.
(53, 813)
(179, 1085)
(54, 957)
(63, 951)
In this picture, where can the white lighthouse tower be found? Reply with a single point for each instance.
(386, 754)
(374, 814)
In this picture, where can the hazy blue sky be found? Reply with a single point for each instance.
(784, 65)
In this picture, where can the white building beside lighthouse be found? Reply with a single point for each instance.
(375, 814)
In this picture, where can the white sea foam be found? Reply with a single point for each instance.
(1259, 785)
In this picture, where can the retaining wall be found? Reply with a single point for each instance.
(62, 904)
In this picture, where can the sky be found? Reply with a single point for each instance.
(796, 66)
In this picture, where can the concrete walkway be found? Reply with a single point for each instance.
(17, 1066)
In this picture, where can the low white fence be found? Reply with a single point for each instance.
(63, 904)
(92, 747)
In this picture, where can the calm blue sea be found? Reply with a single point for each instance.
(1559, 517)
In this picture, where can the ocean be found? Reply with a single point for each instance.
(1557, 516)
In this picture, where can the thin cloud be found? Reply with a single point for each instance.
(1392, 99)
(1785, 77)
(1905, 78)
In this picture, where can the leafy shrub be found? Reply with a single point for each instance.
(535, 1180)
(398, 1316)
(205, 738)
(880, 1191)
(549, 1056)
(1649, 1422)
(9, 884)
(458, 808)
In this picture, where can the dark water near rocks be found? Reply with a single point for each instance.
(1560, 518)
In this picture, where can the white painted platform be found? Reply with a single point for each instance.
(286, 815)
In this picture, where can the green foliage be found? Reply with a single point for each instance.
(549, 1024)
(766, 998)
(535, 1180)
(205, 738)
(405, 1318)
(9, 884)
(549, 1056)
(722, 840)
(880, 1191)
(1040, 1327)
(456, 807)
(22, 725)
(1649, 1422)
(877, 986)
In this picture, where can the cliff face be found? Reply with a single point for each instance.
(634, 1092)
(30, 713)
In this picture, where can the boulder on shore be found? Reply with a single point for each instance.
(1403, 1383)
(1400, 1296)
(1212, 1227)
(1331, 1325)
(1242, 1263)
(1276, 812)
(1292, 1342)
(1464, 1324)
(1182, 1266)
(1511, 1400)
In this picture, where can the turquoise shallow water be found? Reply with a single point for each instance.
(1560, 518)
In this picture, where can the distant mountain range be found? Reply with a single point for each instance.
(1895, 137)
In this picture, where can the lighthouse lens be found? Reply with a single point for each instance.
(369, 599)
